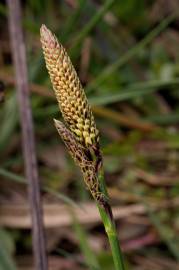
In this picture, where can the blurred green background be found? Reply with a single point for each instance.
(126, 55)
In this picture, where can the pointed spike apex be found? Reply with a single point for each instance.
(47, 38)
(56, 122)
(59, 125)
(45, 32)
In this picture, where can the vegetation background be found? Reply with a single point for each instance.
(126, 55)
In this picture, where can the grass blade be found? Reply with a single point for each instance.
(89, 255)
(91, 24)
(131, 53)
(133, 91)
(6, 261)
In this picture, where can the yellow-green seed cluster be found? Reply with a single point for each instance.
(69, 92)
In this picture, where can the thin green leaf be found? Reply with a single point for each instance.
(164, 231)
(133, 91)
(19, 179)
(130, 53)
(92, 23)
(6, 261)
(89, 255)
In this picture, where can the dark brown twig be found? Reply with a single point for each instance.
(31, 170)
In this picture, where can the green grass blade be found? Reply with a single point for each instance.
(165, 119)
(165, 233)
(133, 91)
(90, 258)
(91, 24)
(71, 24)
(6, 261)
(21, 180)
(131, 53)
(9, 120)
(12, 176)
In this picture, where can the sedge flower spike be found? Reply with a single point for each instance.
(79, 133)
(68, 90)
(81, 136)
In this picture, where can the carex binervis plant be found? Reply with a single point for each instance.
(79, 131)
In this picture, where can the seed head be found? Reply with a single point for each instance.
(80, 156)
(68, 89)
(76, 150)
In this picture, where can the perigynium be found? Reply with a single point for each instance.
(79, 132)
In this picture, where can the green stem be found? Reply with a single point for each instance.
(110, 228)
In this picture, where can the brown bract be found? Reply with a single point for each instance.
(81, 158)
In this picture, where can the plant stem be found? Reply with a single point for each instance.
(113, 239)
(28, 140)
(110, 228)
